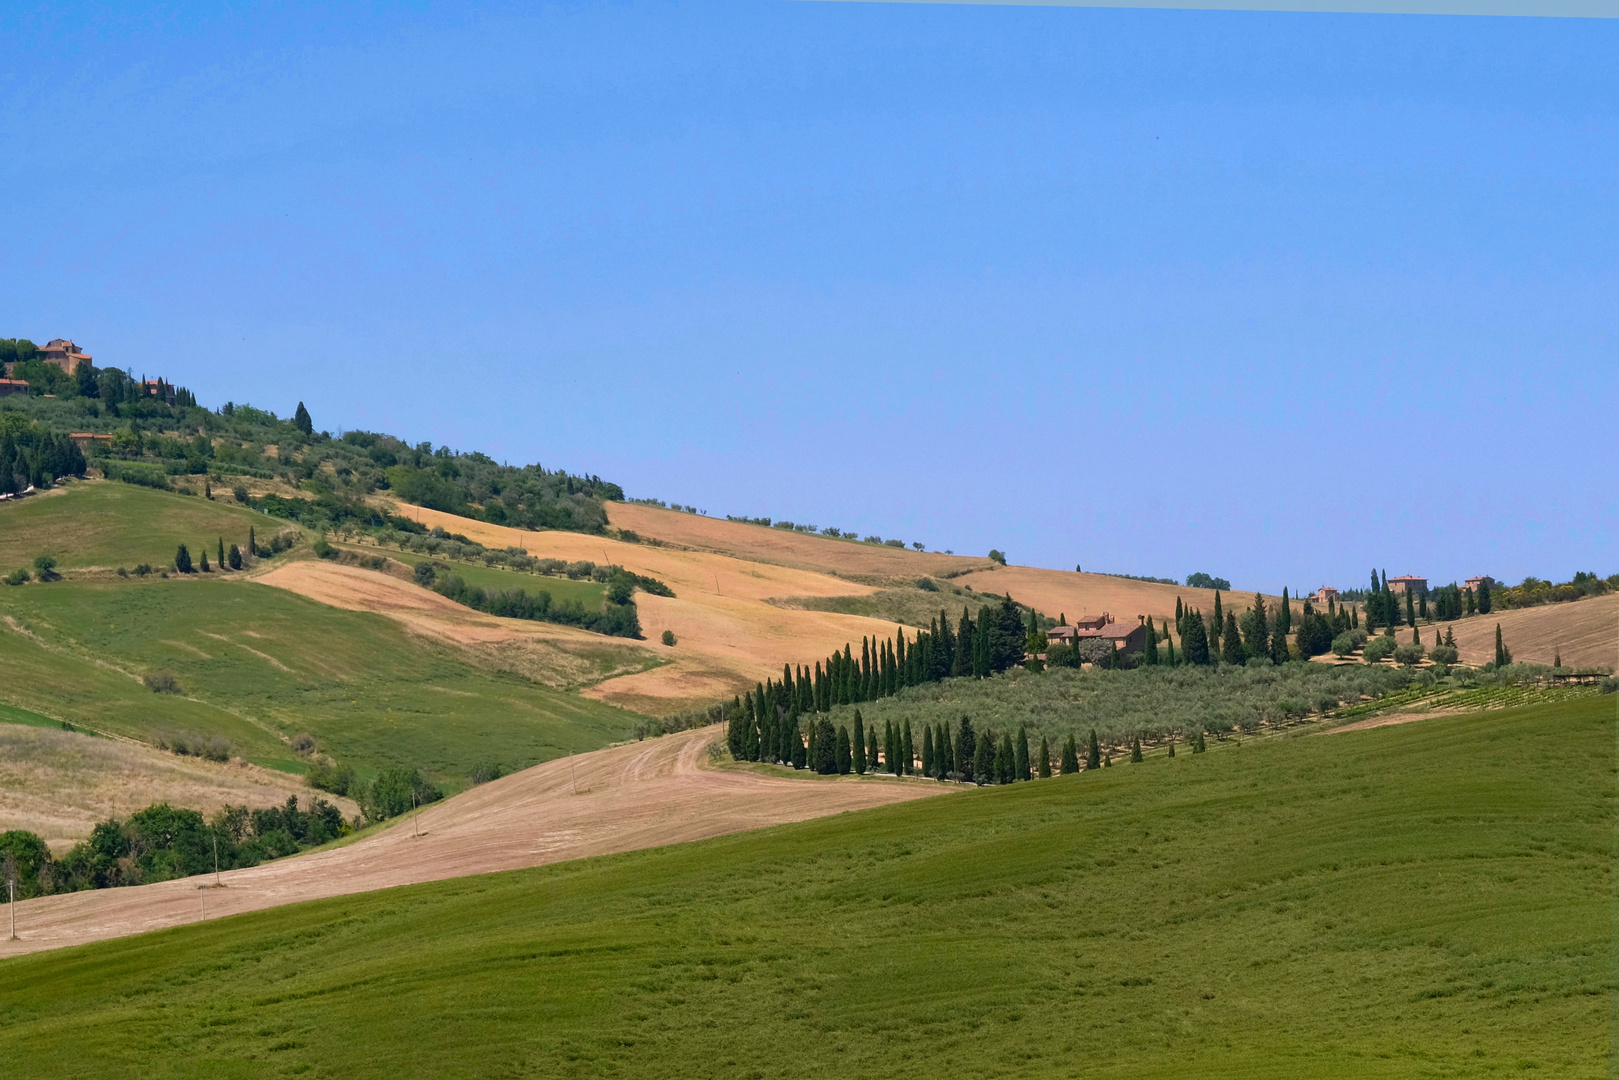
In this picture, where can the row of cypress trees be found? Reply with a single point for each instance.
(965, 755)
(764, 720)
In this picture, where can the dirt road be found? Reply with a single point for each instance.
(637, 796)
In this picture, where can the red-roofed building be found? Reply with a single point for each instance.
(1408, 583)
(1103, 628)
(1326, 594)
(13, 386)
(64, 354)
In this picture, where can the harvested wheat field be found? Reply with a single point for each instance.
(558, 656)
(59, 784)
(728, 636)
(641, 795)
(1586, 632)
(759, 543)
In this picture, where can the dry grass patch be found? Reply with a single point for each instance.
(59, 784)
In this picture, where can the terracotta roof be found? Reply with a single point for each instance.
(1408, 577)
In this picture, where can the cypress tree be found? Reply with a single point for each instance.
(1198, 745)
(1218, 627)
(799, 751)
(943, 752)
(859, 747)
(1416, 635)
(813, 751)
(1231, 650)
(1284, 617)
(1045, 759)
(927, 750)
(1150, 652)
(1410, 608)
(1278, 645)
(1005, 761)
(1020, 762)
(966, 749)
(1093, 756)
(204, 565)
(907, 751)
(871, 748)
(1194, 640)
(1484, 601)
(1171, 744)
(1503, 655)
(235, 557)
(1070, 756)
(825, 758)
(1107, 758)
(845, 759)
(1470, 608)
(1180, 614)
(252, 544)
(1135, 750)
(221, 559)
(182, 560)
(1557, 658)
(984, 759)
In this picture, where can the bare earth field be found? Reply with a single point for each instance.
(621, 799)
(59, 784)
(1585, 631)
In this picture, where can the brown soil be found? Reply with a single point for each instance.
(628, 797)
(1391, 719)
(59, 784)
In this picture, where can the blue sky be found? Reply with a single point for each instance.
(1275, 296)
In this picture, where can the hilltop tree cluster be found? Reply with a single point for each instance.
(30, 454)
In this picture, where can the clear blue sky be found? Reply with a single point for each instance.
(1278, 297)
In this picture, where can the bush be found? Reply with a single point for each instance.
(1378, 649)
(1610, 685)
(17, 577)
(1343, 644)
(395, 792)
(190, 743)
(322, 549)
(668, 637)
(996, 555)
(240, 493)
(1409, 653)
(424, 574)
(1443, 654)
(142, 569)
(326, 775)
(303, 743)
(45, 568)
(162, 682)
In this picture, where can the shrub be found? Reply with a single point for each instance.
(1409, 653)
(927, 584)
(17, 577)
(1443, 654)
(45, 567)
(322, 549)
(1343, 644)
(240, 493)
(395, 792)
(326, 775)
(1378, 649)
(142, 569)
(303, 743)
(424, 574)
(162, 682)
(668, 637)
(996, 555)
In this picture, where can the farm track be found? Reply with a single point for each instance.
(641, 795)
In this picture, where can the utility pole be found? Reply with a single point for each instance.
(11, 890)
(572, 775)
(415, 831)
(216, 862)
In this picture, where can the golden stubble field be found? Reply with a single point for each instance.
(60, 784)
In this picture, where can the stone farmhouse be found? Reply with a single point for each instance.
(1103, 628)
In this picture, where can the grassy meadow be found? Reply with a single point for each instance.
(106, 524)
(258, 664)
(1427, 900)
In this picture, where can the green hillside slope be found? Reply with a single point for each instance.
(1426, 900)
(257, 665)
(107, 524)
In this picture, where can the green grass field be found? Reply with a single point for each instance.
(588, 593)
(1430, 900)
(108, 524)
(257, 664)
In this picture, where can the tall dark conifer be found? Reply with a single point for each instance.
(1093, 755)
(1044, 765)
(1070, 756)
(859, 748)
(1020, 761)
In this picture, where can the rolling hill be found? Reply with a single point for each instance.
(1425, 900)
